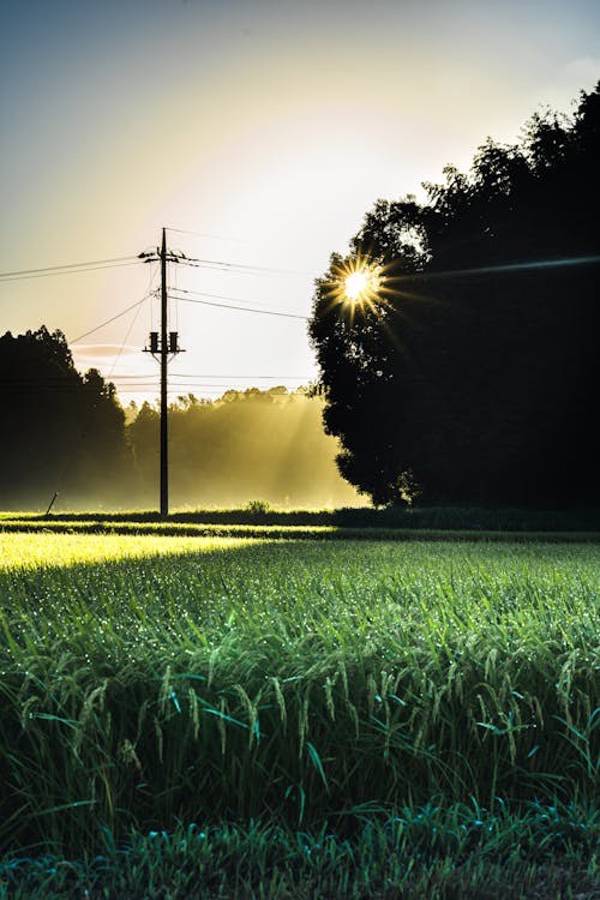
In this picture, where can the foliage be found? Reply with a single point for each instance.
(61, 430)
(473, 376)
(209, 681)
(258, 508)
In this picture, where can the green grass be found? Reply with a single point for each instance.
(563, 524)
(280, 527)
(464, 852)
(320, 688)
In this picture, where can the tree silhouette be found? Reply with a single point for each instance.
(473, 377)
(61, 431)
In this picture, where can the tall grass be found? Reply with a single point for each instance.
(305, 682)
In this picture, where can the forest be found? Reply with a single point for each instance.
(67, 433)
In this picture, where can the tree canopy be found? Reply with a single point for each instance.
(468, 370)
(61, 431)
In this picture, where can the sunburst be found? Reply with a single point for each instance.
(358, 283)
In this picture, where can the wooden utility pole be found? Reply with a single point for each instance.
(163, 346)
(164, 404)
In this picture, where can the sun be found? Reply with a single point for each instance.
(358, 284)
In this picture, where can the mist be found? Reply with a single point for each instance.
(246, 446)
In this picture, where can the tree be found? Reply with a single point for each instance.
(61, 430)
(471, 373)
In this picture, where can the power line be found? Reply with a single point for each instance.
(197, 263)
(191, 377)
(151, 390)
(203, 234)
(112, 319)
(146, 386)
(196, 375)
(233, 306)
(152, 393)
(70, 268)
(212, 296)
(188, 377)
(125, 339)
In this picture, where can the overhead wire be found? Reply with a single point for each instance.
(210, 235)
(146, 379)
(176, 295)
(112, 319)
(200, 375)
(198, 263)
(70, 268)
(234, 305)
(125, 339)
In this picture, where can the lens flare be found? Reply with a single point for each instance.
(358, 284)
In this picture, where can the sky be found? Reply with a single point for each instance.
(258, 133)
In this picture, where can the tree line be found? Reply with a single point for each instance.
(66, 431)
(469, 370)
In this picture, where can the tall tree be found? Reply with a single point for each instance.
(471, 372)
(61, 431)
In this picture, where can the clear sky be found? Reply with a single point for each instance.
(259, 132)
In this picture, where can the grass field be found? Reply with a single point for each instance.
(306, 707)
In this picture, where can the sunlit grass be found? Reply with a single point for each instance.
(155, 529)
(60, 549)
